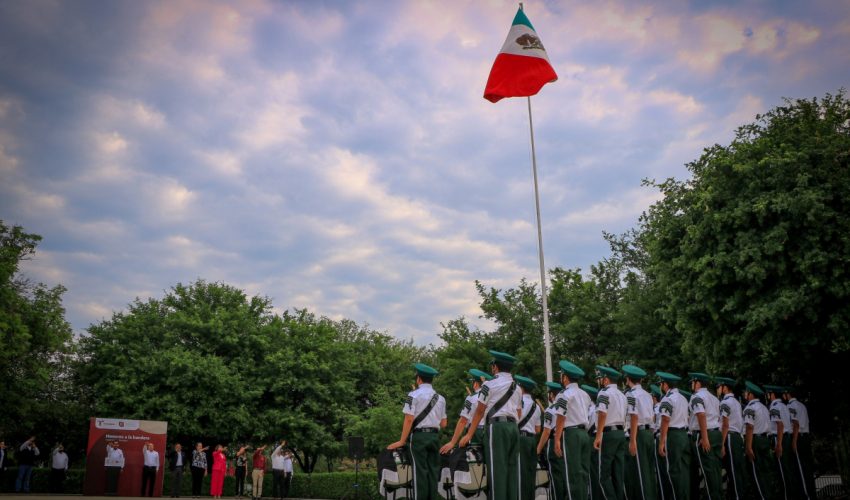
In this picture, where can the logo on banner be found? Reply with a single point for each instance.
(116, 423)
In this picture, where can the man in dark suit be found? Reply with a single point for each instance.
(177, 463)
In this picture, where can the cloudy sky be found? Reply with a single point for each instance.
(339, 156)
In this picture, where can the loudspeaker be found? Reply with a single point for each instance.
(355, 447)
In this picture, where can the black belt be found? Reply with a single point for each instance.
(526, 434)
(647, 427)
(613, 427)
(580, 426)
(681, 429)
(150, 466)
(502, 419)
(763, 434)
(426, 429)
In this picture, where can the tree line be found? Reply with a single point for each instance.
(739, 270)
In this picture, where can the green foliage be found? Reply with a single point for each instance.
(220, 367)
(34, 340)
(40, 480)
(753, 252)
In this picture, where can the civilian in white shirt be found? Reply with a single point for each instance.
(288, 469)
(59, 466)
(150, 469)
(277, 470)
(114, 466)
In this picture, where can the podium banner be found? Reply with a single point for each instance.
(132, 436)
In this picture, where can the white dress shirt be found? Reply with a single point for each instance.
(639, 402)
(60, 460)
(612, 403)
(757, 416)
(731, 409)
(779, 413)
(704, 402)
(528, 405)
(675, 406)
(493, 390)
(151, 458)
(418, 399)
(573, 403)
(799, 413)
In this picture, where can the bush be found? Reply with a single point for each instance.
(39, 481)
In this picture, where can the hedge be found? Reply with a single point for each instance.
(318, 485)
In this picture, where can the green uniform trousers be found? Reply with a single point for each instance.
(734, 462)
(805, 467)
(762, 483)
(528, 466)
(575, 445)
(640, 474)
(677, 465)
(594, 487)
(611, 464)
(477, 437)
(425, 454)
(557, 485)
(501, 452)
(709, 463)
(784, 472)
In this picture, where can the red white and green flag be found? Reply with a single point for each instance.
(522, 68)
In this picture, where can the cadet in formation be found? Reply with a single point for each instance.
(704, 426)
(500, 402)
(801, 445)
(610, 441)
(529, 428)
(673, 446)
(424, 416)
(545, 445)
(572, 444)
(641, 482)
(780, 436)
(732, 449)
(756, 444)
(594, 486)
(470, 404)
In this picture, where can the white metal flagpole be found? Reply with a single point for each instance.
(543, 293)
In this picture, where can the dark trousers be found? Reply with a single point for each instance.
(176, 481)
(112, 474)
(240, 480)
(287, 480)
(425, 454)
(57, 480)
(23, 481)
(197, 480)
(148, 480)
(277, 483)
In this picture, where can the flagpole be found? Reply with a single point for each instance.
(546, 340)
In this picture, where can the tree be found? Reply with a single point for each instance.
(753, 253)
(34, 339)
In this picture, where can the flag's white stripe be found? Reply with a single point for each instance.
(512, 47)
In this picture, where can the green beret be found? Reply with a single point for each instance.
(699, 376)
(776, 389)
(727, 381)
(502, 357)
(570, 369)
(554, 387)
(687, 394)
(607, 371)
(525, 382)
(633, 371)
(475, 375)
(753, 388)
(654, 389)
(593, 391)
(668, 377)
(425, 370)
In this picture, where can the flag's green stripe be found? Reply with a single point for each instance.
(521, 19)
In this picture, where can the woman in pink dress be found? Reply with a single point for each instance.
(219, 467)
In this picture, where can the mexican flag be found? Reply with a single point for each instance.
(522, 67)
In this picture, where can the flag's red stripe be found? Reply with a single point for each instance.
(517, 76)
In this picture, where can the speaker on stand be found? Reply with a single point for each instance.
(355, 452)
